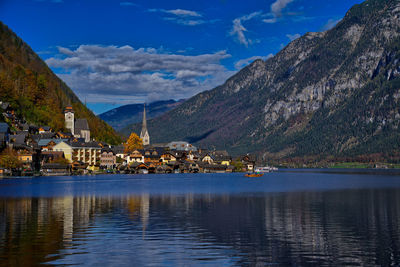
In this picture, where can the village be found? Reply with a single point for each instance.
(29, 150)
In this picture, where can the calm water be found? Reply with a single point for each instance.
(296, 218)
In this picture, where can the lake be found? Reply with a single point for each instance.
(290, 217)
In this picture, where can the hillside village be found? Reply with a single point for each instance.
(29, 149)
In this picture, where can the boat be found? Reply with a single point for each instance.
(265, 169)
(254, 174)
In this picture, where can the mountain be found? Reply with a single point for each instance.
(121, 117)
(326, 94)
(36, 93)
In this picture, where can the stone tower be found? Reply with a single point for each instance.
(144, 134)
(69, 119)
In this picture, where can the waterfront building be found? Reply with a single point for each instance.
(108, 159)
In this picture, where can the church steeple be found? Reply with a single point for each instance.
(144, 134)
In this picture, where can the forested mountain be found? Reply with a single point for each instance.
(333, 93)
(36, 93)
(121, 117)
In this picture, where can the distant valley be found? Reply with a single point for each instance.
(122, 118)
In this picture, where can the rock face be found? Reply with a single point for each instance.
(329, 93)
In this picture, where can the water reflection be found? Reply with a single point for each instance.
(348, 227)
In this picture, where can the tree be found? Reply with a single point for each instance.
(134, 142)
(9, 159)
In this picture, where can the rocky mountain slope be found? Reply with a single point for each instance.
(36, 93)
(334, 93)
(125, 115)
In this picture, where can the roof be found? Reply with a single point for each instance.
(68, 109)
(84, 145)
(54, 166)
(81, 125)
(65, 134)
(219, 153)
(47, 135)
(46, 128)
(19, 138)
(118, 149)
(222, 158)
(181, 145)
(4, 127)
(45, 142)
(107, 149)
(55, 153)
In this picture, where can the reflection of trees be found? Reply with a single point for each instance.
(290, 228)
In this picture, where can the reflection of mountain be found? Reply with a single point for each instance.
(324, 228)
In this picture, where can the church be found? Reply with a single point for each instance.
(78, 127)
(144, 134)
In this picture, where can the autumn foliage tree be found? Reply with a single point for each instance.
(9, 159)
(133, 142)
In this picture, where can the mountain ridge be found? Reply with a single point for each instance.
(36, 93)
(278, 108)
(125, 115)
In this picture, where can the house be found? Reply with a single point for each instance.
(223, 160)
(153, 155)
(25, 156)
(66, 148)
(108, 159)
(44, 129)
(207, 157)
(119, 152)
(55, 169)
(135, 156)
(86, 152)
(212, 168)
(51, 156)
(249, 162)
(48, 144)
(168, 157)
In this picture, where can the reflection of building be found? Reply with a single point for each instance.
(320, 228)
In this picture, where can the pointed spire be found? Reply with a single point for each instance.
(144, 134)
(144, 126)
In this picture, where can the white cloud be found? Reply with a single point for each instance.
(183, 13)
(246, 61)
(330, 24)
(293, 37)
(271, 20)
(182, 16)
(238, 30)
(123, 74)
(278, 6)
(276, 10)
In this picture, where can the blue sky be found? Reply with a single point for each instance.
(118, 52)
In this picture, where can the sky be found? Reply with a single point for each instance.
(117, 52)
